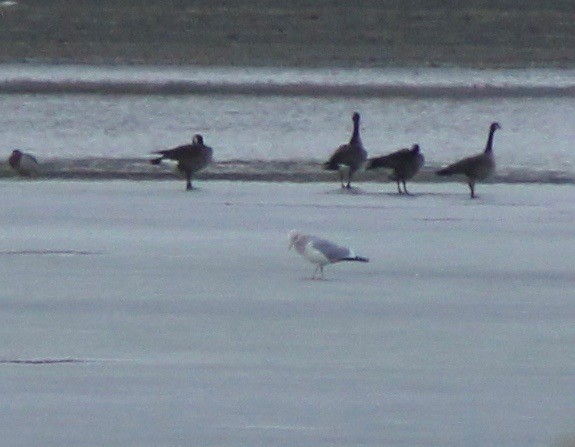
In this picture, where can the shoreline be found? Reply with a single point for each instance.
(291, 89)
(417, 63)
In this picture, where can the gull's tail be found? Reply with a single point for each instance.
(356, 258)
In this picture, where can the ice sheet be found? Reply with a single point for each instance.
(137, 314)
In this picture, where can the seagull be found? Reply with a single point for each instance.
(320, 251)
(348, 157)
(477, 167)
(405, 163)
(24, 164)
(190, 157)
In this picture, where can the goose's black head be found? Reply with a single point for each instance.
(415, 148)
(355, 117)
(198, 139)
(492, 129)
(15, 157)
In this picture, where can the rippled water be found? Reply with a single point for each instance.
(266, 125)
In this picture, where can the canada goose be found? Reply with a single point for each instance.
(190, 157)
(24, 164)
(477, 167)
(405, 163)
(320, 251)
(348, 157)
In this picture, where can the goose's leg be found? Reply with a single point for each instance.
(405, 188)
(471, 184)
(188, 181)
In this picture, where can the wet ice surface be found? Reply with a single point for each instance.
(535, 142)
(135, 313)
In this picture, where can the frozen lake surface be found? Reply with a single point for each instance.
(137, 314)
(255, 117)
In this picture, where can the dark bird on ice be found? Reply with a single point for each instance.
(404, 163)
(478, 167)
(348, 157)
(24, 164)
(191, 158)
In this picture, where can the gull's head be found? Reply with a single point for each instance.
(293, 237)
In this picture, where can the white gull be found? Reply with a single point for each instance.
(320, 251)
